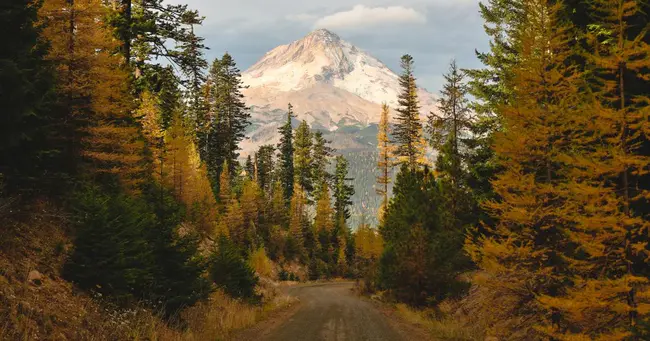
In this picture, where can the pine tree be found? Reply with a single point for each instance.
(449, 132)
(265, 167)
(26, 80)
(285, 148)
(408, 128)
(321, 154)
(343, 193)
(193, 65)
(303, 159)
(490, 86)
(409, 266)
(503, 19)
(385, 162)
(228, 117)
(145, 30)
(249, 167)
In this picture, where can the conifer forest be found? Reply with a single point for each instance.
(133, 207)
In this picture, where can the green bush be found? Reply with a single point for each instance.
(129, 251)
(230, 272)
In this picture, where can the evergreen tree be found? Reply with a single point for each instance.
(26, 80)
(449, 131)
(227, 119)
(303, 159)
(145, 30)
(408, 128)
(420, 262)
(193, 65)
(265, 168)
(230, 271)
(321, 154)
(249, 167)
(285, 148)
(385, 162)
(343, 193)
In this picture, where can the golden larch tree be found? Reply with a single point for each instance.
(93, 88)
(324, 220)
(522, 257)
(609, 294)
(386, 157)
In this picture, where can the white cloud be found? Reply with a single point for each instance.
(362, 16)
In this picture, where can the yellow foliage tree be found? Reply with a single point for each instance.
(182, 171)
(93, 87)
(523, 255)
(297, 216)
(324, 222)
(386, 157)
(610, 293)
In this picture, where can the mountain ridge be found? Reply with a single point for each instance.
(331, 84)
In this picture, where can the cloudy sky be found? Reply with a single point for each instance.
(432, 31)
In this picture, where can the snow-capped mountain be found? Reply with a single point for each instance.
(333, 85)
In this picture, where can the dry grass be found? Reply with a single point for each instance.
(221, 316)
(441, 326)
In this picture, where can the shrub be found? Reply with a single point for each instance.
(230, 272)
(129, 251)
(261, 263)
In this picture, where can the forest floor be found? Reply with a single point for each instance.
(333, 311)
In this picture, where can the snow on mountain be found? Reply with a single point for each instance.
(331, 83)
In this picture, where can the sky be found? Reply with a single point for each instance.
(433, 31)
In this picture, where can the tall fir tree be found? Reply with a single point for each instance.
(303, 159)
(321, 155)
(249, 167)
(151, 30)
(408, 128)
(343, 193)
(449, 132)
(285, 148)
(27, 79)
(228, 117)
(265, 168)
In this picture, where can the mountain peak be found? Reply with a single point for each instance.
(323, 34)
(319, 60)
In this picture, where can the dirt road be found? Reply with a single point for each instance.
(329, 311)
